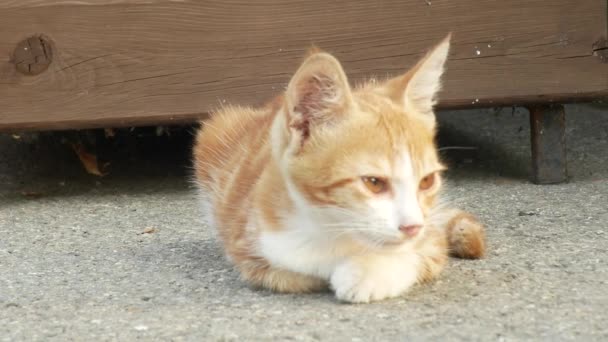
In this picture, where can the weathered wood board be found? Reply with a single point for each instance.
(135, 62)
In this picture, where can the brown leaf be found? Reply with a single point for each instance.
(149, 230)
(32, 194)
(109, 132)
(88, 160)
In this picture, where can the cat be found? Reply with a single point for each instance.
(335, 187)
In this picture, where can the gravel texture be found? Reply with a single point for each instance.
(125, 257)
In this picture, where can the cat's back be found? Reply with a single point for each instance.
(230, 145)
(231, 151)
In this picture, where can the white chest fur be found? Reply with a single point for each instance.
(307, 252)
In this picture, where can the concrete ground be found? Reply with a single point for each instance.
(125, 257)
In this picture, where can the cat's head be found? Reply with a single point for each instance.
(362, 161)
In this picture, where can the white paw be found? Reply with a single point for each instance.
(352, 284)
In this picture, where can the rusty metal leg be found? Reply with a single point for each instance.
(547, 124)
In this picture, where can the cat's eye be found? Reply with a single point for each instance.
(427, 182)
(376, 185)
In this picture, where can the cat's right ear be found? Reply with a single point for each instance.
(417, 90)
(317, 95)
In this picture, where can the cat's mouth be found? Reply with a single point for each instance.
(396, 242)
(391, 244)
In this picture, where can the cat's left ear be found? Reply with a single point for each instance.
(417, 89)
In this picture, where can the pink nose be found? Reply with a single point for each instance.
(411, 230)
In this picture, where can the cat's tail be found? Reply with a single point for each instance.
(466, 235)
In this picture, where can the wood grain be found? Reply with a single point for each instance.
(141, 62)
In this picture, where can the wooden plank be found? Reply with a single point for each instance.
(133, 62)
(548, 137)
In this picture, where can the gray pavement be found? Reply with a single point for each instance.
(126, 257)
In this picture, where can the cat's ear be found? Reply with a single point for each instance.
(417, 89)
(318, 94)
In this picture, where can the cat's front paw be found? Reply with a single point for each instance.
(352, 284)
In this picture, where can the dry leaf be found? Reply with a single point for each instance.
(149, 230)
(109, 132)
(88, 160)
(32, 194)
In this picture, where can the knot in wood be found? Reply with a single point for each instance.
(33, 55)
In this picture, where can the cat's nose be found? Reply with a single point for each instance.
(410, 230)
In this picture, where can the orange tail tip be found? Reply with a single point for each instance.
(466, 236)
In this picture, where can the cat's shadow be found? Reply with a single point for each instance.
(204, 261)
(199, 259)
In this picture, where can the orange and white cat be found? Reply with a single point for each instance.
(334, 186)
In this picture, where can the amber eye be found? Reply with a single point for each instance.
(375, 184)
(427, 182)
